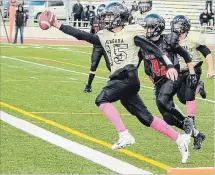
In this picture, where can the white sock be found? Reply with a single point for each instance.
(178, 139)
(123, 133)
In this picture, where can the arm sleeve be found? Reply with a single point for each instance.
(146, 45)
(204, 50)
(183, 53)
(81, 35)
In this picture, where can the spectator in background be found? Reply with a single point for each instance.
(209, 3)
(85, 16)
(92, 14)
(204, 18)
(123, 2)
(21, 19)
(212, 18)
(134, 6)
(92, 6)
(77, 10)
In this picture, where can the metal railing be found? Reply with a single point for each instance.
(86, 25)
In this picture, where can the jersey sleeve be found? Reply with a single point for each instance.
(80, 34)
(199, 39)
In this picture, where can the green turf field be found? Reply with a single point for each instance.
(47, 81)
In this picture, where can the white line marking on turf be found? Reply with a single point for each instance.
(58, 68)
(97, 157)
(81, 73)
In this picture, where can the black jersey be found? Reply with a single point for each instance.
(157, 69)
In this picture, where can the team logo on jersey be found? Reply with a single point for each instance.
(118, 41)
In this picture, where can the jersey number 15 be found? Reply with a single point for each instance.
(119, 53)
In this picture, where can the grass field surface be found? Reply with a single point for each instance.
(46, 81)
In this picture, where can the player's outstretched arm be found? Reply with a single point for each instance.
(79, 34)
(145, 44)
(207, 54)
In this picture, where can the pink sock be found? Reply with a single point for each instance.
(191, 108)
(162, 127)
(113, 115)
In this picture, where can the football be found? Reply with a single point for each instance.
(46, 20)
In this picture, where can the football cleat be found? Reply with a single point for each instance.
(183, 146)
(87, 89)
(198, 141)
(202, 91)
(124, 141)
(188, 125)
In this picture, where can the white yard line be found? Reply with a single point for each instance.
(97, 157)
(81, 73)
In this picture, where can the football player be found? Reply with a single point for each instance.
(122, 44)
(165, 89)
(144, 8)
(194, 43)
(98, 51)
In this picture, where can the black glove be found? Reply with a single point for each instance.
(171, 40)
(192, 81)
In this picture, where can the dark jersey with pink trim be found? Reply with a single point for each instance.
(155, 68)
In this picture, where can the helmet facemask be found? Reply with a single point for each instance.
(111, 20)
(151, 31)
(180, 25)
(178, 28)
(114, 15)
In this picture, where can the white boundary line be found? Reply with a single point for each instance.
(97, 157)
(81, 73)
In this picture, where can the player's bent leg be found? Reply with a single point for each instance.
(199, 137)
(201, 89)
(172, 120)
(125, 138)
(88, 87)
(181, 94)
(182, 141)
(136, 107)
(116, 88)
(95, 59)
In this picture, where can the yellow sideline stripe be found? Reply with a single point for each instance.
(77, 133)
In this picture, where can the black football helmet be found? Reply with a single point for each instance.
(154, 25)
(114, 15)
(144, 5)
(100, 9)
(180, 24)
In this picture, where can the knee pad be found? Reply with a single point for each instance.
(190, 96)
(182, 100)
(94, 66)
(145, 118)
(101, 98)
(163, 100)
